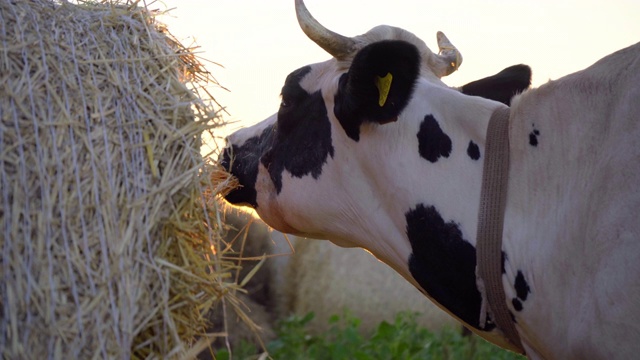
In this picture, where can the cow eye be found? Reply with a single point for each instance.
(284, 103)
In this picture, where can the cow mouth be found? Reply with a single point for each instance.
(244, 194)
(224, 181)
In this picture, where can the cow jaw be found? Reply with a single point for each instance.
(269, 208)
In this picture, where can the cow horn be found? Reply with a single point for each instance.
(448, 53)
(335, 44)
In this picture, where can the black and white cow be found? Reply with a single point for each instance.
(371, 149)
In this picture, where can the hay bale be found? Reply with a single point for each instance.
(107, 219)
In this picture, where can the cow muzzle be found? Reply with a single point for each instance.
(245, 193)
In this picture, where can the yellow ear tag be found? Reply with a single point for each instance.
(384, 85)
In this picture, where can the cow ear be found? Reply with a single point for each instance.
(501, 86)
(378, 85)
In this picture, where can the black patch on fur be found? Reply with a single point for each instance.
(357, 98)
(293, 98)
(522, 291)
(473, 151)
(533, 138)
(444, 264)
(433, 142)
(517, 305)
(303, 133)
(242, 162)
(501, 86)
(521, 286)
(345, 111)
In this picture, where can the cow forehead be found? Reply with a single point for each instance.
(386, 32)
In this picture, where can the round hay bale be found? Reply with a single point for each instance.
(109, 231)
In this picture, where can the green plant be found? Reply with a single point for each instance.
(403, 339)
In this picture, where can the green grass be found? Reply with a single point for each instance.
(403, 340)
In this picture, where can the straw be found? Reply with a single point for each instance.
(110, 233)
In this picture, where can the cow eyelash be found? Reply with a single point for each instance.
(286, 101)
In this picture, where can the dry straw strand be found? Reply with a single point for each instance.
(107, 209)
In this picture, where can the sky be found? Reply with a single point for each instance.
(258, 42)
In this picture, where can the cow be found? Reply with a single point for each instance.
(371, 149)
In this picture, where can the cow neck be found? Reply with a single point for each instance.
(493, 197)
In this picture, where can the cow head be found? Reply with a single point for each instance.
(366, 150)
